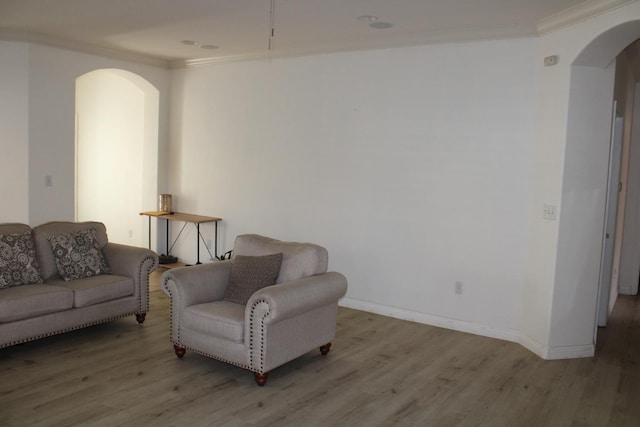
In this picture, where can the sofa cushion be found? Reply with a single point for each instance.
(97, 289)
(22, 302)
(18, 263)
(78, 255)
(299, 260)
(44, 253)
(222, 319)
(250, 273)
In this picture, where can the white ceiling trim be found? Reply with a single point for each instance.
(78, 46)
(418, 39)
(578, 13)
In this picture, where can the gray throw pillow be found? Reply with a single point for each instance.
(18, 263)
(250, 273)
(78, 255)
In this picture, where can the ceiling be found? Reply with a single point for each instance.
(153, 30)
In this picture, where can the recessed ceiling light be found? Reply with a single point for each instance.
(189, 42)
(380, 25)
(208, 46)
(367, 18)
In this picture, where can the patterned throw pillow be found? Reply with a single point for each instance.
(18, 264)
(250, 273)
(78, 255)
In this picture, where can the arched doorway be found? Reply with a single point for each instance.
(584, 188)
(116, 152)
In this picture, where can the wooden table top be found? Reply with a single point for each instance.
(180, 216)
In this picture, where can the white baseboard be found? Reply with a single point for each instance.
(627, 290)
(556, 353)
(542, 351)
(571, 352)
(534, 346)
(429, 319)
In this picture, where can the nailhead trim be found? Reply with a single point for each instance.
(74, 328)
(144, 279)
(175, 340)
(251, 349)
(239, 365)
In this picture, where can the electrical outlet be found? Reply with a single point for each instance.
(458, 287)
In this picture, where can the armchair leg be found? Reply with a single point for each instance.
(179, 350)
(325, 349)
(261, 379)
(140, 317)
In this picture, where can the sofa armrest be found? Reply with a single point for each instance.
(287, 320)
(196, 284)
(129, 261)
(299, 296)
(134, 262)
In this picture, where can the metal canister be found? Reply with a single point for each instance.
(164, 203)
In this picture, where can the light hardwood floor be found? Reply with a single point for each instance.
(380, 372)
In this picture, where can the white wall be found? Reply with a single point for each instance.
(583, 200)
(14, 132)
(52, 75)
(410, 165)
(570, 165)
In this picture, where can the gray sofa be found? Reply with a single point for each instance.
(38, 305)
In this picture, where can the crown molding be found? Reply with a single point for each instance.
(416, 39)
(78, 46)
(573, 15)
(578, 13)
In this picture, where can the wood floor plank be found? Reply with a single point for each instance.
(380, 372)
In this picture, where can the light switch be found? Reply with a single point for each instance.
(549, 212)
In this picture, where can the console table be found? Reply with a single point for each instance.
(196, 220)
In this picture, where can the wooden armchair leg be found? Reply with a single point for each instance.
(140, 317)
(179, 350)
(325, 349)
(261, 379)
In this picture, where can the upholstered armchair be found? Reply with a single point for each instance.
(271, 303)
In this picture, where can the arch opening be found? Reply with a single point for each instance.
(584, 186)
(117, 117)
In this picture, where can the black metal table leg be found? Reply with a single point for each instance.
(198, 243)
(167, 236)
